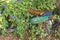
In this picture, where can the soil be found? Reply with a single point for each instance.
(13, 37)
(9, 37)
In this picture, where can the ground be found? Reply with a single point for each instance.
(9, 37)
(13, 37)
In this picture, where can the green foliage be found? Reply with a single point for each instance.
(18, 10)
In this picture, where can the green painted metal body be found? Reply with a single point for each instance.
(39, 19)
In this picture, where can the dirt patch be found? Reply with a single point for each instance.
(13, 37)
(9, 37)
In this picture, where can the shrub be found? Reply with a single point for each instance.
(21, 17)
